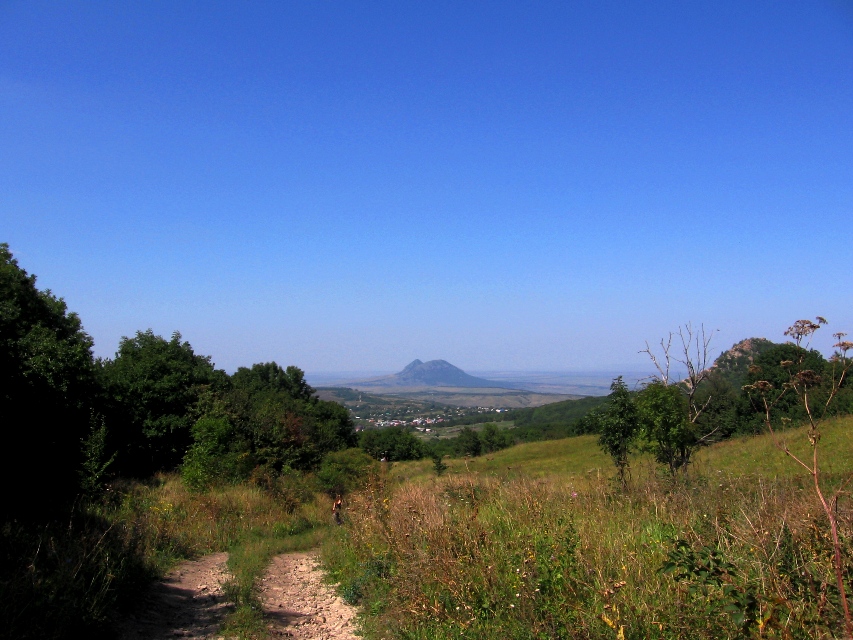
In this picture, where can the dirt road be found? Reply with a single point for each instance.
(190, 603)
(299, 605)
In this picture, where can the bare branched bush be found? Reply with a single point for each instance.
(693, 354)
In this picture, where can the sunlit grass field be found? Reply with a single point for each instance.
(760, 454)
(538, 541)
(581, 456)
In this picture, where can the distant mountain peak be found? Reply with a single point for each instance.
(414, 364)
(434, 373)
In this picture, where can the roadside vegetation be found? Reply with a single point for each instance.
(143, 460)
(737, 547)
(77, 575)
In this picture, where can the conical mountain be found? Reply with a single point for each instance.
(435, 373)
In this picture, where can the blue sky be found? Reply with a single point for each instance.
(350, 186)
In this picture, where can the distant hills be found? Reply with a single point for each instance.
(435, 373)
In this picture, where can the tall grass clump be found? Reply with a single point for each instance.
(708, 555)
(65, 578)
(463, 554)
(174, 522)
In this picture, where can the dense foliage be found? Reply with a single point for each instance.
(344, 471)
(265, 422)
(47, 388)
(664, 423)
(155, 406)
(392, 443)
(150, 388)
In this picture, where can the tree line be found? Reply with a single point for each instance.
(669, 416)
(157, 405)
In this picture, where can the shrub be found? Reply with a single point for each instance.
(343, 471)
(392, 443)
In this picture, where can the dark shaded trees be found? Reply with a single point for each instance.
(269, 376)
(264, 422)
(47, 387)
(151, 387)
(391, 443)
(721, 400)
(769, 367)
(346, 470)
(494, 439)
(468, 443)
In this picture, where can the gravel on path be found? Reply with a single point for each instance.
(298, 604)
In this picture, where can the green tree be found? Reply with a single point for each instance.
(392, 443)
(270, 376)
(672, 409)
(344, 471)
(96, 459)
(618, 424)
(769, 367)
(665, 426)
(721, 399)
(216, 455)
(438, 464)
(275, 424)
(47, 389)
(152, 385)
(468, 443)
(494, 439)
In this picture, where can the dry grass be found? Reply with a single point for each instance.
(494, 552)
(174, 522)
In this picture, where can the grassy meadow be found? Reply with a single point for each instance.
(537, 541)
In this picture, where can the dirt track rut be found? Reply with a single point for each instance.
(190, 602)
(298, 604)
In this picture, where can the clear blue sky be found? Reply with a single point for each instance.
(352, 185)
